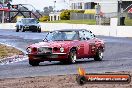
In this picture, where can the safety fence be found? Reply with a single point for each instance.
(112, 30)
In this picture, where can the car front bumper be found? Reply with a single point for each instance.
(30, 28)
(48, 57)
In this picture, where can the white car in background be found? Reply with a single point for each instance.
(28, 24)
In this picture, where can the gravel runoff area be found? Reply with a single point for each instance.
(62, 81)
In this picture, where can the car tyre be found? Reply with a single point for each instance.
(23, 30)
(99, 56)
(33, 63)
(72, 57)
(39, 30)
(17, 30)
(81, 80)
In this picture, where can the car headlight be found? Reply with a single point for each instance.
(61, 49)
(26, 26)
(29, 50)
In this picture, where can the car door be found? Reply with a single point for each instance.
(82, 48)
(90, 42)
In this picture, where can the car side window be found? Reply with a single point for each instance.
(82, 35)
(89, 35)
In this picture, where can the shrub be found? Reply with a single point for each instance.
(65, 15)
(44, 18)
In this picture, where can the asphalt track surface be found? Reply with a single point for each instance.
(117, 57)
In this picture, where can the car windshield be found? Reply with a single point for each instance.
(62, 36)
(29, 21)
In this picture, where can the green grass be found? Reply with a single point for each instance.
(90, 22)
(128, 22)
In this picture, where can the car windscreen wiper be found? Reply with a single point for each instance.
(59, 40)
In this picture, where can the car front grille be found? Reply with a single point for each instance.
(27, 27)
(45, 50)
(32, 27)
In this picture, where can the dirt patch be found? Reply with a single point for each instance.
(6, 51)
(66, 81)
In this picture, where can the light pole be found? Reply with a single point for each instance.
(54, 11)
(54, 5)
(68, 3)
(119, 11)
(3, 16)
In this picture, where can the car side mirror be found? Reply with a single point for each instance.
(45, 40)
(90, 31)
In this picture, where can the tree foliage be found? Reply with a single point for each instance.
(65, 15)
(47, 10)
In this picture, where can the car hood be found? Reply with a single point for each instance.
(53, 44)
(30, 24)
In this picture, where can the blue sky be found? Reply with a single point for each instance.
(40, 4)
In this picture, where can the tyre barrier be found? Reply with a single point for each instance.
(108, 78)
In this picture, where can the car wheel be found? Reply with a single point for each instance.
(23, 30)
(33, 63)
(99, 56)
(81, 80)
(72, 56)
(39, 30)
(17, 30)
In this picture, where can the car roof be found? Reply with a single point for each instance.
(70, 30)
(28, 18)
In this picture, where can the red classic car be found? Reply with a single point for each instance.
(66, 46)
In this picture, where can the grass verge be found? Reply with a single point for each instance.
(89, 22)
(6, 51)
(128, 22)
